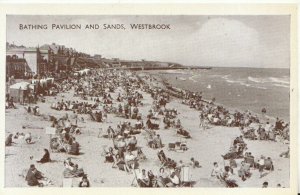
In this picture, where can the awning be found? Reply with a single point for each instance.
(21, 85)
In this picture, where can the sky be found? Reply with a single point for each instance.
(218, 41)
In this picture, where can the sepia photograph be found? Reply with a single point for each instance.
(148, 101)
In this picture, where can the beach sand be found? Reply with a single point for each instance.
(205, 146)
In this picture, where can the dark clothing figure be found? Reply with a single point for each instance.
(33, 175)
(31, 178)
(74, 148)
(8, 141)
(45, 158)
(84, 183)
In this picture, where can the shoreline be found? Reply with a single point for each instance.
(160, 77)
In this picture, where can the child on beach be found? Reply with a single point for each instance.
(216, 171)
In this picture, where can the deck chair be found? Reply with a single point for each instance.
(135, 179)
(92, 117)
(185, 177)
(171, 147)
(250, 161)
(245, 172)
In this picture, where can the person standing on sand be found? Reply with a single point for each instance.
(261, 164)
(263, 113)
(201, 117)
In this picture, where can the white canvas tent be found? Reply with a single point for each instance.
(19, 91)
(21, 85)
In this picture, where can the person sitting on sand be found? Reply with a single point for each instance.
(262, 134)
(33, 176)
(216, 171)
(74, 150)
(183, 132)
(265, 184)
(163, 177)
(69, 164)
(162, 157)
(28, 138)
(143, 179)
(36, 178)
(195, 163)
(227, 177)
(132, 143)
(109, 156)
(84, 183)
(269, 164)
(141, 155)
(45, 158)
(244, 171)
(71, 169)
(249, 158)
(285, 154)
(178, 123)
(8, 141)
(232, 163)
(120, 163)
(139, 124)
(157, 141)
(121, 145)
(175, 181)
(130, 160)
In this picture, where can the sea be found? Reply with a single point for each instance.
(238, 88)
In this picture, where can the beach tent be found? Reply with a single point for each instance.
(84, 72)
(19, 91)
(34, 81)
(43, 83)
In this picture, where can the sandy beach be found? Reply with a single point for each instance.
(206, 146)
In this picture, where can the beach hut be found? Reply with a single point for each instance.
(49, 82)
(19, 91)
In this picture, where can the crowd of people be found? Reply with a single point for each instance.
(121, 93)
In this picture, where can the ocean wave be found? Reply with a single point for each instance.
(256, 80)
(282, 85)
(192, 78)
(280, 80)
(242, 82)
(181, 78)
(177, 72)
(283, 80)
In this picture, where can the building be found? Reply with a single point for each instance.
(16, 67)
(42, 60)
(32, 56)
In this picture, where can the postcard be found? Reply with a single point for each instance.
(114, 98)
